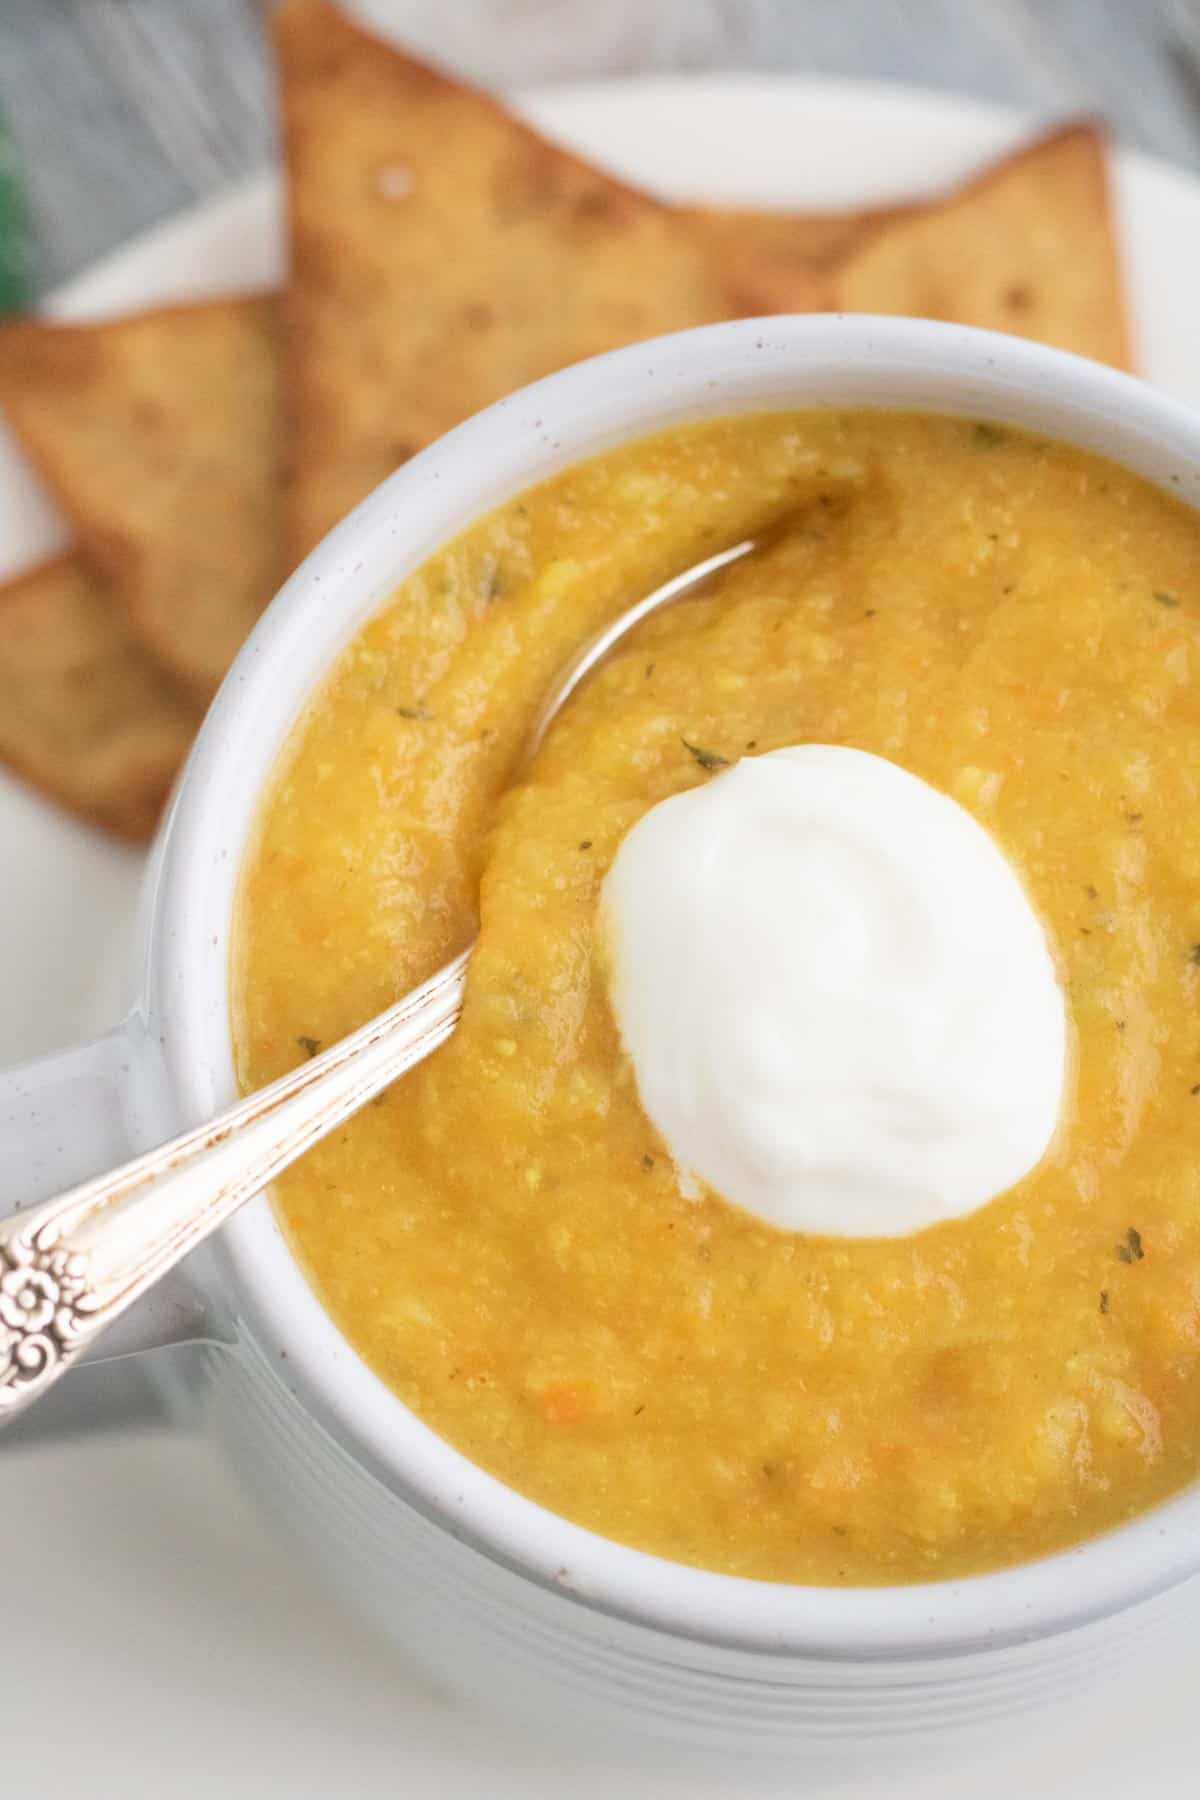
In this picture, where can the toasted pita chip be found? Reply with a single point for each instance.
(85, 713)
(788, 258)
(159, 434)
(1028, 246)
(444, 254)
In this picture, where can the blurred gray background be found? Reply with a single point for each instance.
(126, 110)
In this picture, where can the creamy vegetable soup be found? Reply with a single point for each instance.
(507, 1238)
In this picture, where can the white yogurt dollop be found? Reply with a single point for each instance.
(840, 1007)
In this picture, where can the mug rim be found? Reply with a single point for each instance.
(746, 365)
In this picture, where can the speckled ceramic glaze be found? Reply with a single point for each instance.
(497, 1593)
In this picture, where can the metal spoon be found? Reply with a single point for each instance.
(89, 1253)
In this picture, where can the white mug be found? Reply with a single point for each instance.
(494, 1591)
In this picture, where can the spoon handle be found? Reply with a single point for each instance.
(70, 1266)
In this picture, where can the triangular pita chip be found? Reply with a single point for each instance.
(85, 714)
(444, 254)
(159, 435)
(1029, 246)
(789, 258)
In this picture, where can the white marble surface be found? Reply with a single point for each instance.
(125, 110)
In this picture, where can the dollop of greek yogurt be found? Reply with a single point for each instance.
(841, 1009)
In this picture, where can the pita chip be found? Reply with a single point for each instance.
(444, 254)
(159, 435)
(1029, 247)
(85, 714)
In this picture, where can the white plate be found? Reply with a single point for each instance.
(158, 1642)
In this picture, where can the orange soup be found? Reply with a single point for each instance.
(502, 1236)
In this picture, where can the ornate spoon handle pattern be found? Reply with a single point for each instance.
(70, 1266)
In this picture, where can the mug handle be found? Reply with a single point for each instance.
(63, 1119)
